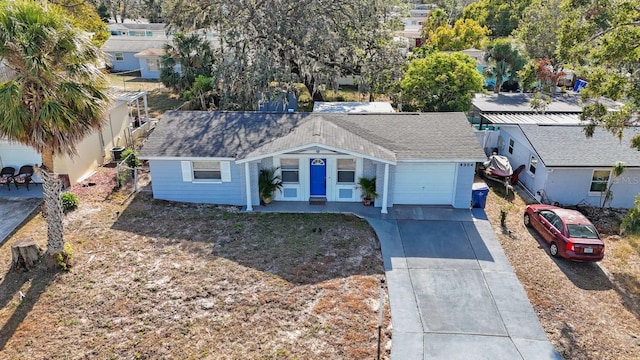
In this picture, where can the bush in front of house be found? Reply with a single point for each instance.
(69, 201)
(631, 221)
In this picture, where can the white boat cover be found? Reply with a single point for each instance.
(498, 165)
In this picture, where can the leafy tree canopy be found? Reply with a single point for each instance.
(310, 41)
(538, 29)
(441, 82)
(84, 16)
(500, 16)
(465, 33)
(602, 39)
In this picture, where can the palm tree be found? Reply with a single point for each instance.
(55, 96)
(505, 62)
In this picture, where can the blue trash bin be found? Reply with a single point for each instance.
(479, 193)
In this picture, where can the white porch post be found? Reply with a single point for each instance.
(146, 106)
(247, 177)
(386, 189)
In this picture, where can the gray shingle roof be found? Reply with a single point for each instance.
(517, 102)
(132, 44)
(399, 136)
(568, 146)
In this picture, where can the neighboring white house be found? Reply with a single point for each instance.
(215, 157)
(352, 107)
(138, 30)
(117, 130)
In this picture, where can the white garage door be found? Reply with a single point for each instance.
(16, 155)
(420, 183)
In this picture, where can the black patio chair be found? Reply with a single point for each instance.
(23, 177)
(6, 176)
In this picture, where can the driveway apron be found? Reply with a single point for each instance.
(452, 291)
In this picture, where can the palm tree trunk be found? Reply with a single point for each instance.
(51, 190)
(496, 89)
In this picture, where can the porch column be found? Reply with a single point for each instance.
(386, 189)
(247, 181)
(146, 106)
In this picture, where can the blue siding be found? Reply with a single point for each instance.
(571, 186)
(128, 63)
(369, 168)
(167, 184)
(522, 152)
(145, 73)
(464, 181)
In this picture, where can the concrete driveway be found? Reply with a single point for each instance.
(15, 208)
(452, 291)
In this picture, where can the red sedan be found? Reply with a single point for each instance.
(568, 233)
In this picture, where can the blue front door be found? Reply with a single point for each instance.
(318, 176)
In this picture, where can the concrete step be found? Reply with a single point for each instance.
(317, 200)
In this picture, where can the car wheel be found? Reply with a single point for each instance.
(553, 249)
(527, 220)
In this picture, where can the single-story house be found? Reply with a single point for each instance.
(215, 157)
(150, 63)
(121, 53)
(94, 150)
(569, 167)
(352, 107)
(138, 29)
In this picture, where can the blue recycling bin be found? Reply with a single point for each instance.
(479, 193)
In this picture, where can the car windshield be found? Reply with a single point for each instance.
(582, 231)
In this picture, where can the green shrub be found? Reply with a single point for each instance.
(131, 157)
(65, 257)
(631, 221)
(69, 201)
(504, 211)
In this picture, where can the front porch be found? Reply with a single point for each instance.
(34, 192)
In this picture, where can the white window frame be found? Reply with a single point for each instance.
(533, 162)
(605, 183)
(118, 56)
(512, 144)
(153, 64)
(338, 170)
(189, 170)
(289, 168)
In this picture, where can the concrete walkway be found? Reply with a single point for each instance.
(452, 292)
(16, 205)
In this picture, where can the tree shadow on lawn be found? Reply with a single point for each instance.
(12, 283)
(300, 248)
(586, 276)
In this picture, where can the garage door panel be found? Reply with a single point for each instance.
(424, 183)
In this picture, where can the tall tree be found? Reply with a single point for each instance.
(500, 16)
(56, 96)
(504, 61)
(275, 41)
(84, 15)
(441, 82)
(538, 29)
(465, 33)
(603, 36)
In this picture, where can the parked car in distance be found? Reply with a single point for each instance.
(569, 233)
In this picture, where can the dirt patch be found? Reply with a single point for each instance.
(589, 311)
(155, 279)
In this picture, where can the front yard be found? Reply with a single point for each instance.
(154, 279)
(589, 311)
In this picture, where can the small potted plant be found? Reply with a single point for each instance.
(367, 189)
(268, 183)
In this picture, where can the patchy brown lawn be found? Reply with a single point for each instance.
(155, 279)
(589, 311)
